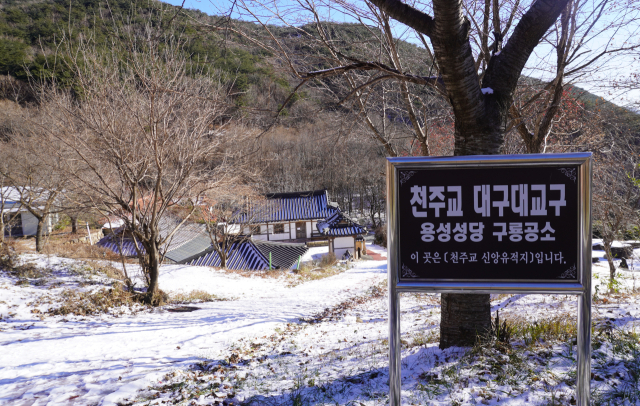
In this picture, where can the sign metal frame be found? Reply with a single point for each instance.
(582, 288)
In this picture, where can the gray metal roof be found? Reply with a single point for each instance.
(190, 238)
(188, 249)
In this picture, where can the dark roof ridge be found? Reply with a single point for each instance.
(278, 243)
(308, 193)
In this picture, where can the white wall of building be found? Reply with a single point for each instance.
(342, 245)
(29, 223)
(311, 228)
(286, 235)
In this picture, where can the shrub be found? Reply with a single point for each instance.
(8, 257)
(91, 303)
(81, 251)
(195, 296)
(381, 236)
(327, 260)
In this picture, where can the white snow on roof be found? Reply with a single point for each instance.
(9, 194)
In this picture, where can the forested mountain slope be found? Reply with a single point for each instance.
(31, 30)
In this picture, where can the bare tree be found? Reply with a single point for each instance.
(228, 216)
(583, 44)
(614, 202)
(33, 171)
(145, 137)
(479, 98)
(5, 196)
(616, 193)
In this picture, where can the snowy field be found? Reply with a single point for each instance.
(318, 342)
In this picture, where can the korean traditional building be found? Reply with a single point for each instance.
(278, 227)
(342, 234)
(288, 216)
(303, 216)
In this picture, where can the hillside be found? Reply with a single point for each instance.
(30, 30)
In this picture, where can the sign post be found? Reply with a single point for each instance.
(490, 224)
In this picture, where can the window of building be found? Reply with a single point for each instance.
(278, 228)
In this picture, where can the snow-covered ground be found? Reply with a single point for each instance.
(318, 342)
(88, 360)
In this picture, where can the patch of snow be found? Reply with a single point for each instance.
(314, 254)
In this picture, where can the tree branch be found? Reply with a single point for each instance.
(407, 15)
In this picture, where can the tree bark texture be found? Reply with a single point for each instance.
(609, 255)
(40, 234)
(154, 270)
(74, 224)
(223, 258)
(464, 317)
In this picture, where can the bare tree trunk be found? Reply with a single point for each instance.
(40, 234)
(1, 228)
(609, 255)
(223, 258)
(74, 224)
(154, 271)
(463, 318)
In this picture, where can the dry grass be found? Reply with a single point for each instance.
(266, 274)
(327, 260)
(80, 251)
(559, 328)
(195, 296)
(114, 300)
(25, 273)
(29, 274)
(105, 269)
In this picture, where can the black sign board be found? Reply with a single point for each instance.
(489, 223)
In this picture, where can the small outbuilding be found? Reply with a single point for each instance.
(342, 233)
(19, 222)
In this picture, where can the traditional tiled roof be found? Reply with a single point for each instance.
(252, 255)
(338, 225)
(113, 242)
(280, 207)
(283, 255)
(241, 255)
